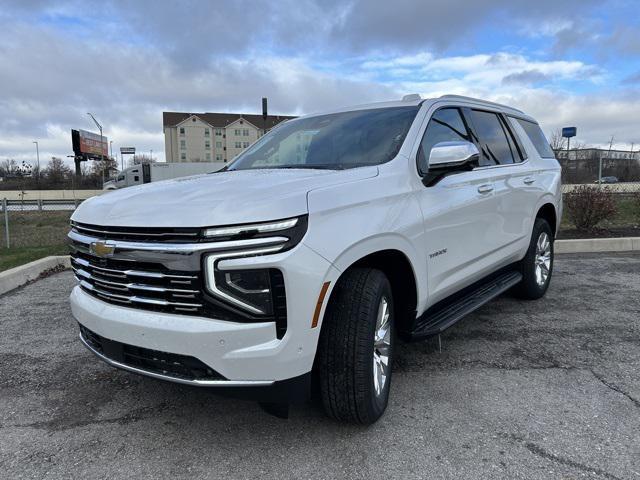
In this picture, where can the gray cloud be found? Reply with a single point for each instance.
(527, 77)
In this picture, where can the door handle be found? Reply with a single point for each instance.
(529, 180)
(486, 188)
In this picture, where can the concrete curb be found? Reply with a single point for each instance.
(18, 276)
(593, 245)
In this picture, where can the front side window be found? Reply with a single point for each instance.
(446, 125)
(494, 139)
(336, 141)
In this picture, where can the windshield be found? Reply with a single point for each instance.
(336, 141)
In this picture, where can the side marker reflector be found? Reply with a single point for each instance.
(316, 314)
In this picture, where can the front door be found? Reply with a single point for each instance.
(459, 211)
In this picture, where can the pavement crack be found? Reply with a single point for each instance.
(541, 452)
(611, 386)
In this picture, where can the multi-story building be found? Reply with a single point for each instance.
(212, 137)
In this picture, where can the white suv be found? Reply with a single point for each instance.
(302, 261)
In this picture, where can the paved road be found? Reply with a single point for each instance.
(530, 390)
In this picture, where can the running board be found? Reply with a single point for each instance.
(447, 312)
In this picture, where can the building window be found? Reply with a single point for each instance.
(206, 132)
(208, 156)
(218, 132)
(218, 144)
(207, 144)
(183, 156)
(183, 144)
(245, 132)
(238, 144)
(237, 132)
(245, 144)
(181, 130)
(218, 157)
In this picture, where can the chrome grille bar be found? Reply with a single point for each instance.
(135, 298)
(130, 286)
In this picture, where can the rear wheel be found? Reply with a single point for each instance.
(356, 347)
(537, 265)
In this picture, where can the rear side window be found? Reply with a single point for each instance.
(538, 139)
(497, 147)
(446, 125)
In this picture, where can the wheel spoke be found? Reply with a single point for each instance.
(382, 346)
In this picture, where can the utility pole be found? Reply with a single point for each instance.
(101, 140)
(38, 164)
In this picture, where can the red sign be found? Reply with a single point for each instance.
(90, 143)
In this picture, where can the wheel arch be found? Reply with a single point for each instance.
(547, 211)
(399, 270)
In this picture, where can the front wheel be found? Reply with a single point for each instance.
(537, 265)
(356, 347)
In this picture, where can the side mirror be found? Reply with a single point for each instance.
(453, 155)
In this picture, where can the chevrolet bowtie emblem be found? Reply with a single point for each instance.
(101, 249)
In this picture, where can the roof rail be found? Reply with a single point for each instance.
(477, 100)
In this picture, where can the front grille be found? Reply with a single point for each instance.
(140, 285)
(154, 361)
(140, 234)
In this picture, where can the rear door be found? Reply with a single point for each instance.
(505, 162)
(460, 223)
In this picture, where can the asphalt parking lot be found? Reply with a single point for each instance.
(545, 389)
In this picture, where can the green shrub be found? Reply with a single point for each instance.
(588, 205)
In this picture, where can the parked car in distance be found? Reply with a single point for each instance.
(607, 180)
(303, 261)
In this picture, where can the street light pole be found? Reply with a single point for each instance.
(38, 163)
(101, 140)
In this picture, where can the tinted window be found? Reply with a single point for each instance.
(493, 139)
(446, 125)
(335, 141)
(538, 139)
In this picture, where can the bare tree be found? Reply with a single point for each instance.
(557, 141)
(56, 172)
(140, 159)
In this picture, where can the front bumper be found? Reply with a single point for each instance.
(244, 354)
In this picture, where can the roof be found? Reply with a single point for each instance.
(221, 120)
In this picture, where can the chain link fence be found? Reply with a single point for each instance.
(33, 229)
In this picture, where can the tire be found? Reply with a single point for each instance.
(347, 349)
(534, 284)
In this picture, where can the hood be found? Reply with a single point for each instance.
(222, 198)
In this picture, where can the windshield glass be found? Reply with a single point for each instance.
(336, 141)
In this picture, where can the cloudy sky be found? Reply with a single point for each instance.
(565, 62)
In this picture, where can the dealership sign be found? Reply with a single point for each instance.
(128, 150)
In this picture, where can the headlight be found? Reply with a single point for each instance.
(258, 292)
(250, 289)
(293, 229)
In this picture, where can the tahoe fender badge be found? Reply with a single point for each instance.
(438, 253)
(101, 249)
